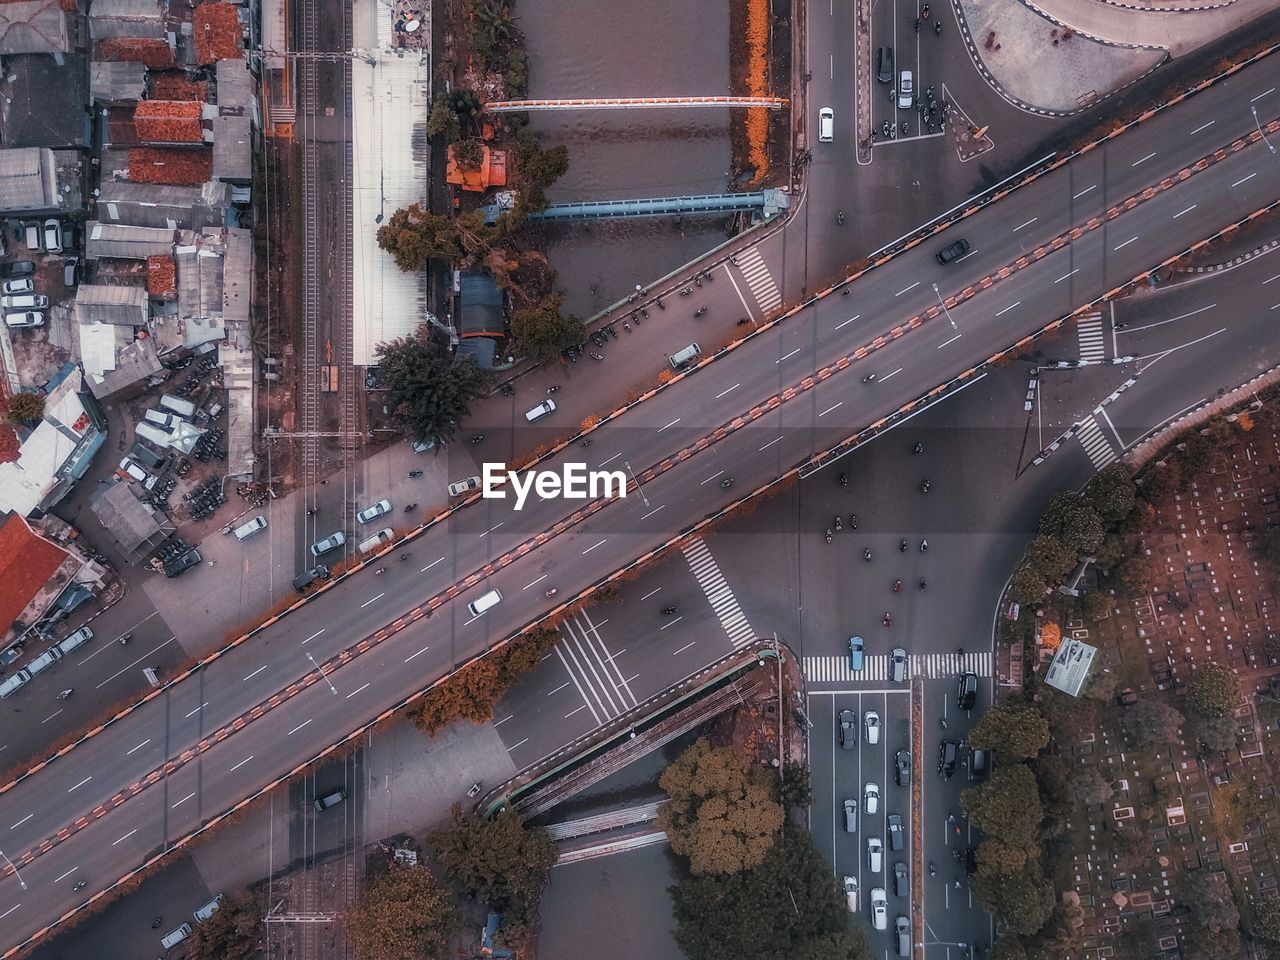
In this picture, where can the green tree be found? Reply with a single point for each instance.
(1096, 605)
(413, 237)
(517, 74)
(1194, 454)
(1089, 786)
(1102, 683)
(1053, 779)
(23, 408)
(1007, 947)
(428, 393)
(1215, 932)
(1111, 493)
(789, 906)
(996, 856)
(1028, 586)
(1016, 729)
(1023, 900)
(1134, 574)
(1006, 806)
(540, 169)
(1050, 557)
(796, 789)
(469, 153)
(1151, 721)
(404, 914)
(1216, 733)
(443, 121)
(541, 331)
(1269, 544)
(1212, 690)
(1266, 918)
(1160, 480)
(723, 812)
(232, 933)
(1070, 518)
(500, 862)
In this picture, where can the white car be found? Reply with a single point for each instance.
(53, 236)
(332, 542)
(871, 721)
(906, 91)
(875, 854)
(871, 798)
(851, 893)
(373, 512)
(879, 909)
(26, 318)
(18, 285)
(826, 125)
(459, 487)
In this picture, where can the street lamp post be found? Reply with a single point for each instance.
(21, 882)
(322, 673)
(1258, 124)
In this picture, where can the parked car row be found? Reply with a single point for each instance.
(22, 306)
(46, 660)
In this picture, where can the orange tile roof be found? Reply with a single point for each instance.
(27, 561)
(218, 33)
(166, 85)
(179, 168)
(152, 52)
(168, 121)
(492, 171)
(162, 276)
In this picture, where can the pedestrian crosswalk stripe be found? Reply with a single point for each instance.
(592, 669)
(1093, 347)
(930, 666)
(723, 603)
(1095, 442)
(756, 272)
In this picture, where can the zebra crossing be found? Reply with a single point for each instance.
(931, 666)
(1095, 442)
(592, 669)
(756, 272)
(1093, 348)
(707, 572)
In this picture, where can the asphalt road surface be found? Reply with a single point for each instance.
(258, 676)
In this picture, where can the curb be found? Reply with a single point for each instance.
(1231, 264)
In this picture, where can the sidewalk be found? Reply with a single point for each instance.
(1179, 31)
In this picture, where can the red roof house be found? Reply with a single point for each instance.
(175, 167)
(27, 562)
(168, 121)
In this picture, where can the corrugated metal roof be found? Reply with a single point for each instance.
(26, 482)
(130, 522)
(123, 242)
(33, 26)
(117, 81)
(97, 303)
(200, 270)
(157, 205)
(232, 148)
(235, 87)
(28, 178)
(237, 274)
(109, 19)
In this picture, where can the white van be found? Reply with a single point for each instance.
(378, 539)
(44, 661)
(175, 937)
(681, 358)
(209, 909)
(77, 639)
(166, 420)
(183, 408)
(486, 602)
(25, 301)
(545, 408)
(14, 684)
(247, 530)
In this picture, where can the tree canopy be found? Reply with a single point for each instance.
(428, 393)
(1266, 918)
(1023, 900)
(1013, 730)
(232, 933)
(1070, 518)
(723, 813)
(404, 914)
(789, 906)
(23, 408)
(1151, 721)
(1111, 493)
(413, 236)
(541, 331)
(1212, 690)
(1006, 806)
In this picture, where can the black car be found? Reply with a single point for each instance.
(848, 729)
(895, 832)
(953, 252)
(884, 61)
(900, 886)
(177, 567)
(967, 692)
(902, 761)
(948, 750)
(17, 268)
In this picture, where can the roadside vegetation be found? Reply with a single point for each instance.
(428, 393)
(234, 932)
(757, 888)
(403, 914)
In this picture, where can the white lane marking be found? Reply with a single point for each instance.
(1084, 191)
(1016, 303)
(787, 357)
(355, 691)
(80, 784)
(888, 375)
(138, 747)
(65, 875)
(1269, 279)
(318, 632)
(671, 424)
(430, 565)
(905, 289)
(1245, 179)
(1144, 159)
(1065, 275)
(532, 582)
(14, 907)
(718, 396)
(22, 821)
(50, 717)
(611, 459)
(372, 600)
(486, 533)
(671, 623)
(710, 478)
(947, 342)
(594, 545)
(1263, 94)
(1188, 210)
(849, 321)
(684, 648)
(770, 443)
(1161, 323)
(653, 511)
(1027, 224)
(125, 837)
(572, 712)
(1204, 126)
(567, 683)
(651, 593)
(507, 717)
(1125, 244)
(254, 674)
(829, 409)
(520, 744)
(298, 727)
(127, 667)
(183, 800)
(196, 710)
(419, 653)
(240, 764)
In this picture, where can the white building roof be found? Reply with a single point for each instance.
(25, 482)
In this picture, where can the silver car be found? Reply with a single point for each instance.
(332, 542)
(374, 511)
(906, 94)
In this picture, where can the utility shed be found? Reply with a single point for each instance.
(138, 528)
